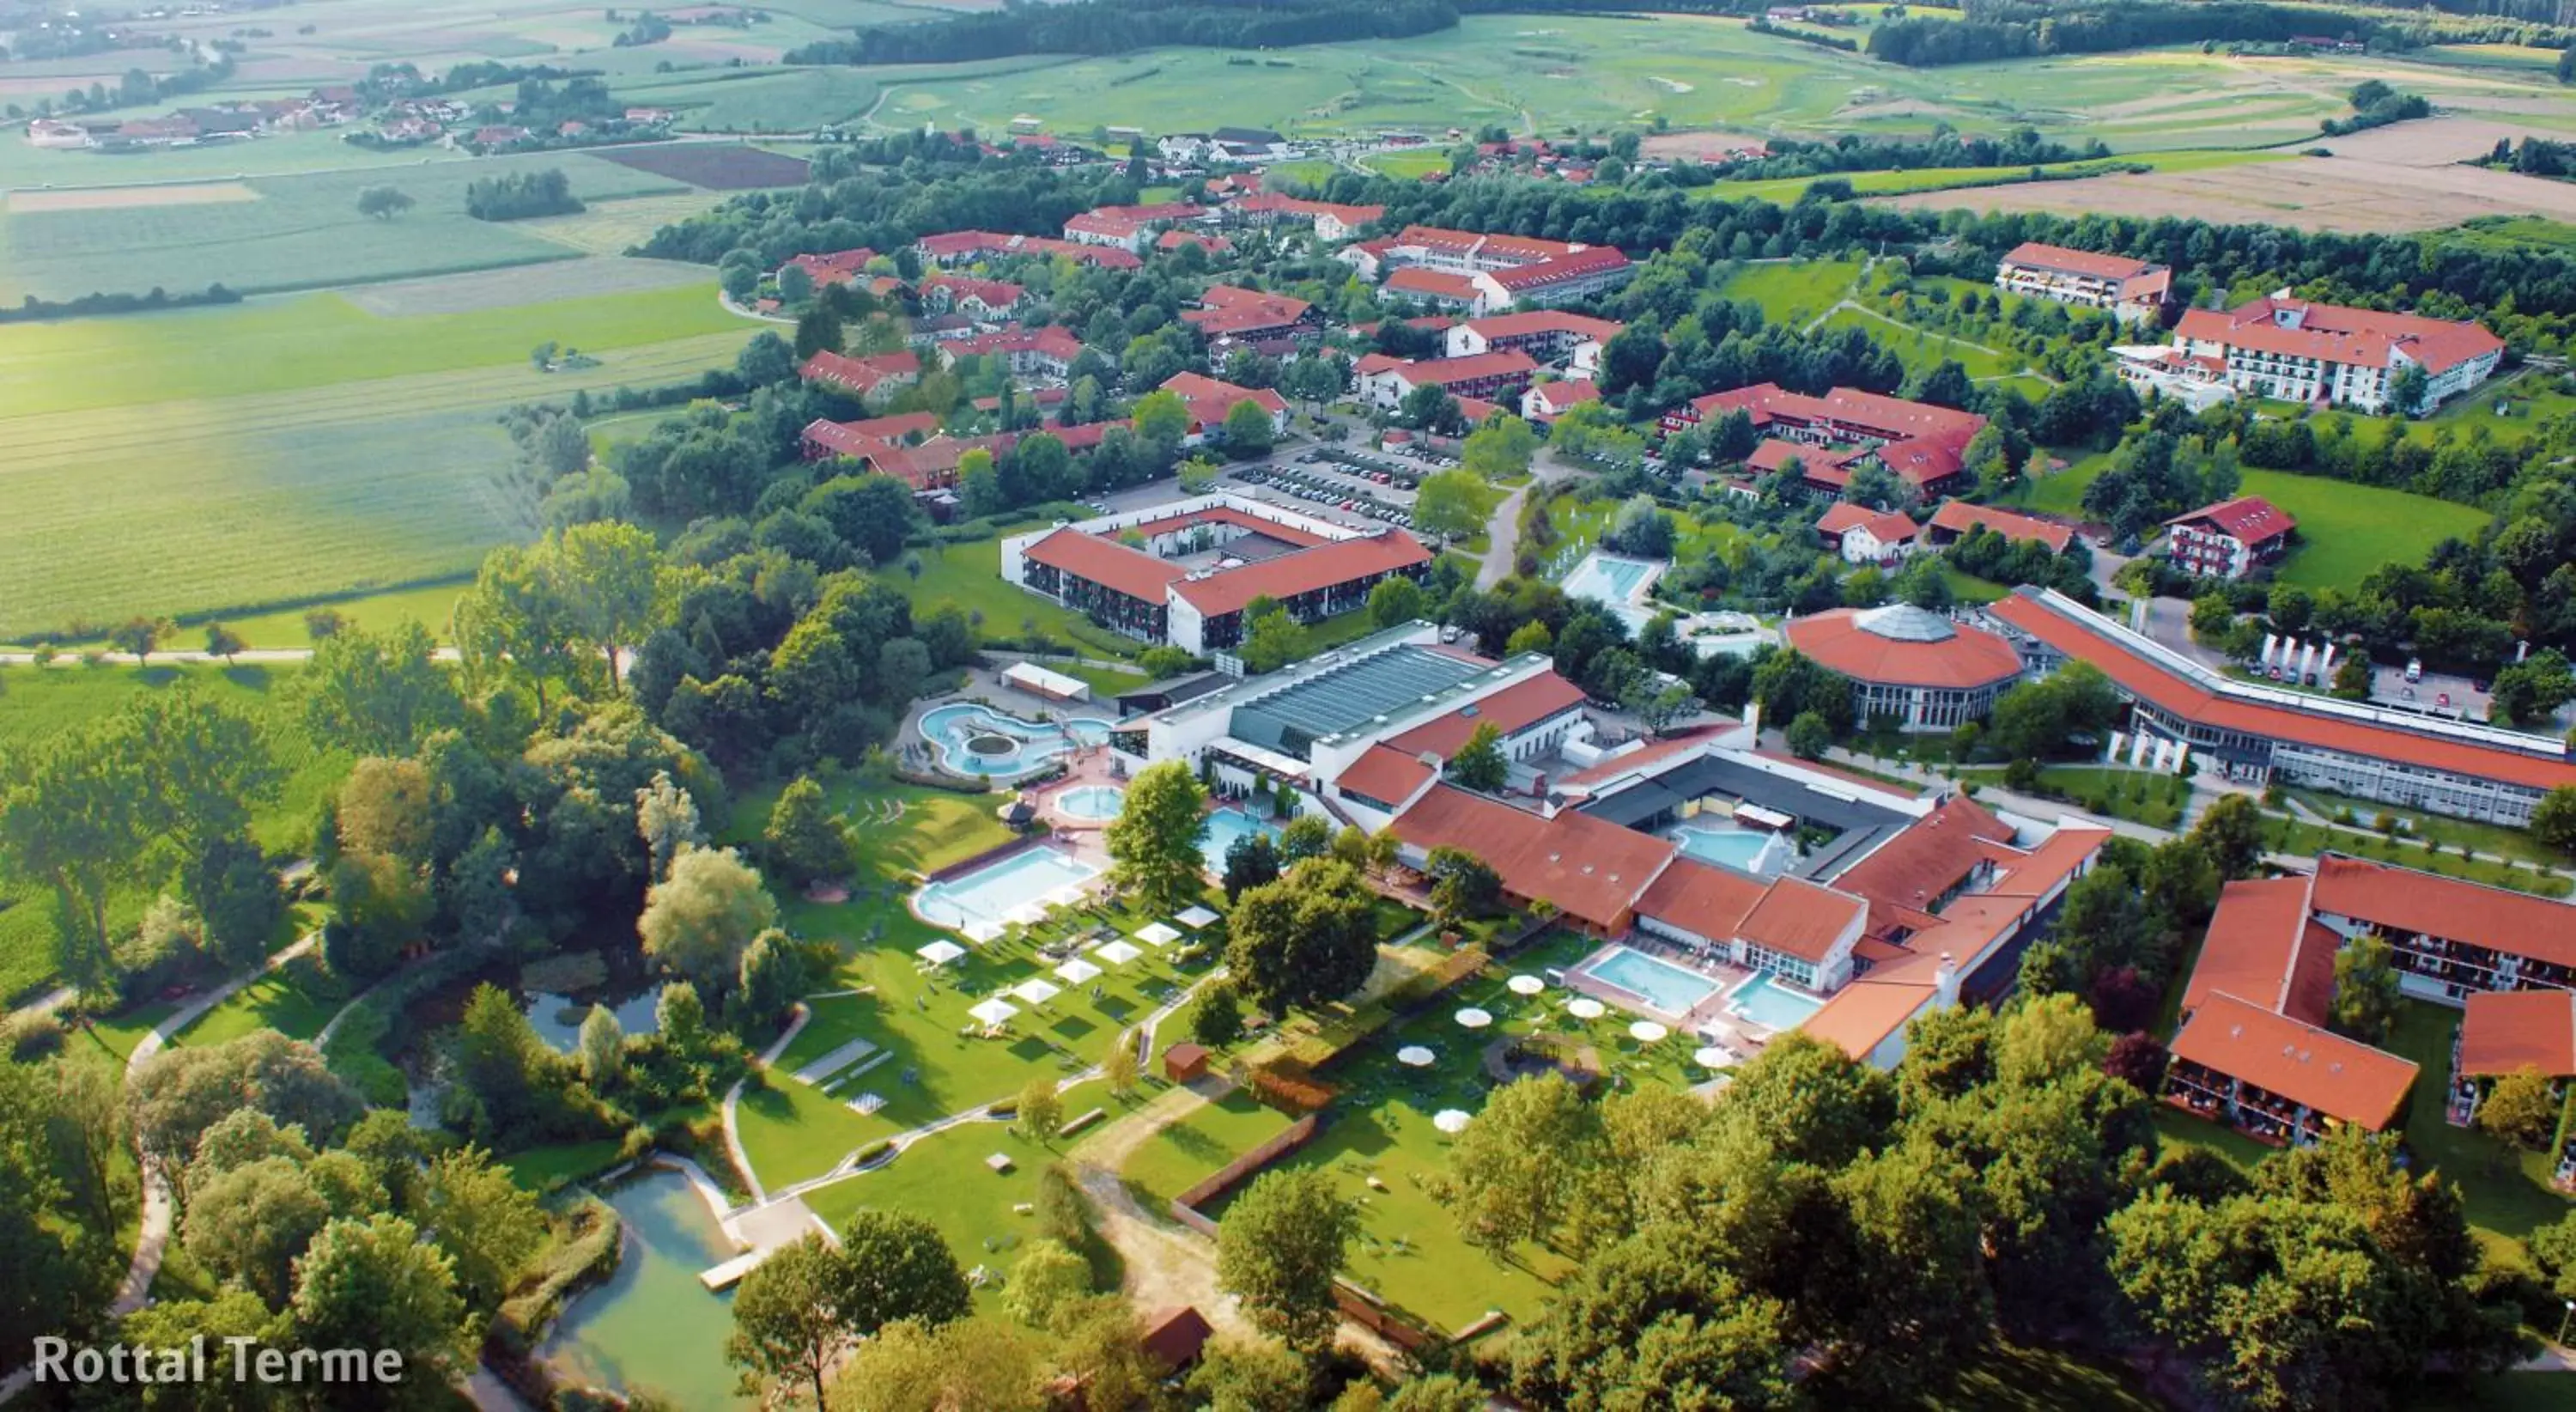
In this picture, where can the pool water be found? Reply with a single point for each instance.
(989, 896)
(651, 1324)
(1665, 986)
(1030, 744)
(1772, 1005)
(1745, 850)
(1615, 583)
(1091, 801)
(1223, 828)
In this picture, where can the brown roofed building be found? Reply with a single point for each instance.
(2506, 1031)
(1956, 518)
(2300, 351)
(1908, 664)
(2131, 289)
(2280, 1080)
(1594, 872)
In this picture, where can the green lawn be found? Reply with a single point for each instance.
(2136, 795)
(550, 1168)
(1968, 588)
(2292, 836)
(970, 576)
(1410, 164)
(2485, 838)
(1922, 350)
(1185, 1153)
(1793, 291)
(2008, 1379)
(2506, 1190)
(270, 1003)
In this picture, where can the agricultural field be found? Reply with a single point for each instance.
(301, 231)
(219, 460)
(709, 166)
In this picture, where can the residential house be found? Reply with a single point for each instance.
(1866, 536)
(2229, 540)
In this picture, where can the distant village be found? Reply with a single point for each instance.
(479, 128)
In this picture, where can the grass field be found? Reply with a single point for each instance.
(221, 460)
(970, 576)
(1793, 291)
(39, 702)
(1408, 165)
(303, 232)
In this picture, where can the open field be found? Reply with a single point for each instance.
(612, 279)
(223, 459)
(302, 233)
(129, 198)
(710, 166)
(1793, 291)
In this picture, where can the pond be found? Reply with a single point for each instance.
(652, 1325)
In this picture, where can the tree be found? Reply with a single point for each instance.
(1198, 474)
(1479, 764)
(1250, 861)
(1248, 431)
(1532, 636)
(1041, 1110)
(509, 1074)
(795, 285)
(2231, 832)
(488, 1225)
(1279, 1248)
(2211, 614)
(804, 841)
(1048, 1277)
(251, 1223)
(1218, 1021)
(666, 817)
(1154, 843)
(1520, 1162)
(223, 642)
(138, 636)
(1244, 1375)
(1463, 886)
(1395, 600)
(610, 573)
(600, 1049)
(2365, 989)
(698, 921)
(180, 1093)
(1810, 736)
(377, 1285)
(378, 694)
(894, 1266)
(1162, 419)
(1501, 449)
(383, 203)
(1307, 939)
(1118, 1066)
(915, 1367)
(1306, 836)
(785, 1326)
(1452, 504)
(2553, 819)
(2520, 1108)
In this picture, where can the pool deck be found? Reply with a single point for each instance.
(1710, 1017)
(1090, 765)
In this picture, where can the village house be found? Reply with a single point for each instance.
(1331, 223)
(1211, 399)
(870, 379)
(1952, 522)
(833, 267)
(1229, 314)
(2229, 540)
(1549, 336)
(983, 300)
(1041, 352)
(1866, 536)
(1832, 436)
(1550, 400)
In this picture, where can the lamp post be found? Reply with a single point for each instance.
(2562, 1322)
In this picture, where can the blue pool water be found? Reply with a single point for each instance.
(1665, 986)
(1091, 801)
(988, 895)
(1223, 828)
(1613, 582)
(1772, 1005)
(1016, 746)
(1745, 850)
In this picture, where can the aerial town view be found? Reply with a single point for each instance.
(1153, 705)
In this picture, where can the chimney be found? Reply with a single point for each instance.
(1945, 982)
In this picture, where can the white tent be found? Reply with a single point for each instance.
(940, 953)
(1196, 917)
(1474, 1018)
(1157, 934)
(1452, 1120)
(994, 1013)
(1119, 953)
(1076, 971)
(1037, 992)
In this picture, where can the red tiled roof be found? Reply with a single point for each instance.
(1499, 326)
(2403, 900)
(1210, 399)
(1385, 774)
(1867, 413)
(2336, 333)
(1886, 526)
(860, 374)
(2170, 691)
(1420, 283)
(1970, 657)
(2338, 1077)
(1799, 918)
(1566, 393)
(1098, 223)
(1445, 372)
(1174, 1337)
(2034, 873)
(1561, 269)
(1514, 708)
(1593, 871)
(997, 293)
(1861, 1015)
(2250, 518)
(2261, 948)
(1171, 240)
(1113, 566)
(836, 264)
(1054, 340)
(1928, 857)
(1228, 515)
(1959, 517)
(1303, 572)
(2075, 262)
(2514, 1029)
(1701, 899)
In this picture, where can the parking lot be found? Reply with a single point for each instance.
(1354, 486)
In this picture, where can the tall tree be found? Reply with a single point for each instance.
(1521, 1160)
(804, 841)
(1305, 940)
(377, 1285)
(785, 1326)
(1279, 1248)
(75, 820)
(378, 693)
(610, 573)
(895, 1266)
(486, 1223)
(1154, 842)
(666, 817)
(1479, 764)
(2366, 996)
(699, 920)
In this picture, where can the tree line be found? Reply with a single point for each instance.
(2024, 30)
(516, 196)
(1103, 27)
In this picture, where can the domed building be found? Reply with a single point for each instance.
(1917, 666)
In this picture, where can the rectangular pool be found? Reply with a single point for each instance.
(1661, 984)
(1729, 845)
(1612, 581)
(988, 896)
(1772, 1005)
(1223, 828)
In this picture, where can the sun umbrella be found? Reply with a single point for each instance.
(1711, 1057)
(1648, 1032)
(1586, 1008)
(1119, 953)
(1195, 918)
(1451, 1120)
(1525, 985)
(1036, 992)
(1076, 971)
(940, 953)
(1474, 1018)
(995, 1012)
(1414, 1056)
(1157, 934)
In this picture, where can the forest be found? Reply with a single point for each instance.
(1121, 26)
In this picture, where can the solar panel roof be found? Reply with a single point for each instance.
(1291, 721)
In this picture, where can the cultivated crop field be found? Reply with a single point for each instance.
(302, 232)
(710, 166)
(219, 459)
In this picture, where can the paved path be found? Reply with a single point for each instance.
(1503, 528)
(733, 1096)
(158, 1207)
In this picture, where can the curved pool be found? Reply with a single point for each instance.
(975, 739)
(1095, 802)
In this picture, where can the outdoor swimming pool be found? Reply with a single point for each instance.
(1772, 1005)
(1618, 583)
(1224, 827)
(981, 901)
(978, 740)
(1731, 845)
(652, 1325)
(1661, 984)
(1091, 801)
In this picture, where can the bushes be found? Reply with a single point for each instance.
(584, 1252)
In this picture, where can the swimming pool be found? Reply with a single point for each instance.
(1661, 984)
(975, 739)
(1224, 827)
(1091, 801)
(1729, 845)
(1619, 584)
(980, 902)
(1772, 1005)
